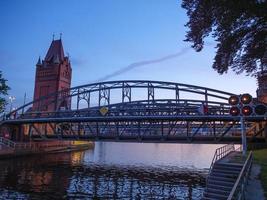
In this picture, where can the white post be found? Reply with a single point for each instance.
(11, 98)
(244, 138)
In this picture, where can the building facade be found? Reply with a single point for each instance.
(53, 74)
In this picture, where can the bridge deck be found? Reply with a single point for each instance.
(148, 139)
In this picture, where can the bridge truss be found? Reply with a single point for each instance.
(135, 111)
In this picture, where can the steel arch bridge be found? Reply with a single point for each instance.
(134, 110)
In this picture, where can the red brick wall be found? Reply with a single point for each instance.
(50, 79)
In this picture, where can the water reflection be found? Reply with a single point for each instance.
(110, 182)
(110, 171)
(192, 156)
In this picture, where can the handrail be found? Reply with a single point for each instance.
(29, 145)
(242, 178)
(39, 145)
(221, 153)
(7, 142)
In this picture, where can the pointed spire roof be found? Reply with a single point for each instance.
(39, 63)
(55, 51)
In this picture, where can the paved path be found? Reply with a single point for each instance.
(254, 187)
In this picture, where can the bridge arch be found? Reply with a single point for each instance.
(102, 93)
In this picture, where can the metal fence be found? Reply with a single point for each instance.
(33, 146)
(238, 190)
(221, 153)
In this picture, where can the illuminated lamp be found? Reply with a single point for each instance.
(234, 111)
(247, 110)
(233, 100)
(246, 98)
(260, 109)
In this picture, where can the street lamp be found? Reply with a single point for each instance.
(11, 99)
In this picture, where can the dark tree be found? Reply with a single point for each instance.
(239, 28)
(3, 92)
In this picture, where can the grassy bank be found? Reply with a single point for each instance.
(260, 157)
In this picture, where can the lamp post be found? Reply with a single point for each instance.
(11, 99)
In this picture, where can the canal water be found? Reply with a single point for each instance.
(110, 171)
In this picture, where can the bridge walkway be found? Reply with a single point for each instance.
(224, 176)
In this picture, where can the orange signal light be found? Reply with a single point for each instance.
(234, 111)
(246, 98)
(247, 110)
(233, 100)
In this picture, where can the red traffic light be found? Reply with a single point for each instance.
(260, 109)
(247, 110)
(246, 98)
(234, 111)
(233, 100)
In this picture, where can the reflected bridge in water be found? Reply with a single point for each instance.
(65, 176)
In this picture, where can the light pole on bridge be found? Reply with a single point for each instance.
(11, 99)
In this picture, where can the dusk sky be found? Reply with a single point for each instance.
(104, 36)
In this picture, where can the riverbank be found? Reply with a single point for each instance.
(47, 147)
(260, 157)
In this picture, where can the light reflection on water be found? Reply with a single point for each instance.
(156, 154)
(110, 171)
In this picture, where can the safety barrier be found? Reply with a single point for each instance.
(238, 190)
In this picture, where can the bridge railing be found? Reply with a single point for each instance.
(42, 145)
(33, 145)
(238, 190)
(7, 142)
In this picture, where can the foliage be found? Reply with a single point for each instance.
(239, 28)
(3, 92)
(260, 157)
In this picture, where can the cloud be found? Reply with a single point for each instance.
(143, 63)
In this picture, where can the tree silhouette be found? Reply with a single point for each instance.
(3, 92)
(239, 28)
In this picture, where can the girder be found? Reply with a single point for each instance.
(144, 130)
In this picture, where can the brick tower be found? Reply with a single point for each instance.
(52, 75)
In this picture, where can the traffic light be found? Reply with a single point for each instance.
(234, 111)
(233, 100)
(246, 98)
(244, 105)
(247, 110)
(260, 109)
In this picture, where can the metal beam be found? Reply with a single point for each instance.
(134, 118)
